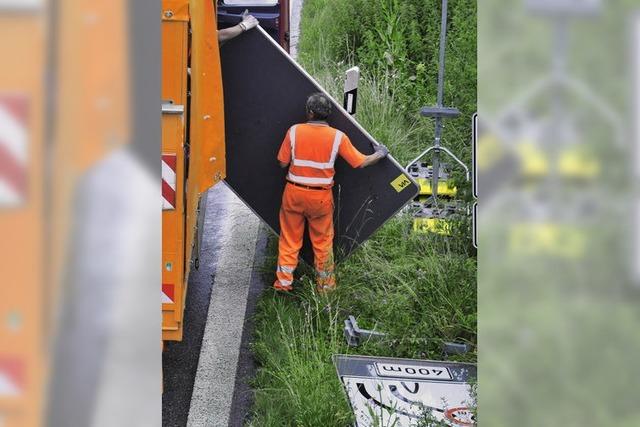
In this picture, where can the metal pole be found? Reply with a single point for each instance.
(443, 41)
(438, 130)
(553, 140)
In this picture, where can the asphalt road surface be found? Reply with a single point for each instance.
(206, 374)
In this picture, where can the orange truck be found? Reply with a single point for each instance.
(193, 142)
(193, 157)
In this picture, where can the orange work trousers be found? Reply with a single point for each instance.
(316, 208)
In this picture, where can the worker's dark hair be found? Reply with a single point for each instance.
(319, 106)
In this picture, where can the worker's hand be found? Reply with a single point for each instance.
(248, 22)
(382, 150)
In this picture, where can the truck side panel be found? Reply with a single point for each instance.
(208, 164)
(175, 43)
(191, 62)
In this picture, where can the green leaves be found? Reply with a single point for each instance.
(397, 42)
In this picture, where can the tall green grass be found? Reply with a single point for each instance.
(296, 384)
(418, 289)
(410, 286)
(395, 43)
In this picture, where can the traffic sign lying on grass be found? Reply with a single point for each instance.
(407, 392)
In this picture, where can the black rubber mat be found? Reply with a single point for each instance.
(264, 94)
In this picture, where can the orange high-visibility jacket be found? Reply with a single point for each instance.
(311, 149)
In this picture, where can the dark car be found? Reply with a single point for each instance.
(272, 14)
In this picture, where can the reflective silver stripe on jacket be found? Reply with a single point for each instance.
(324, 274)
(285, 269)
(310, 163)
(309, 181)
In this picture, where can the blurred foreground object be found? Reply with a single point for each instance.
(24, 310)
(78, 209)
(555, 175)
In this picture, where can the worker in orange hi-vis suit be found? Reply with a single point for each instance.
(310, 150)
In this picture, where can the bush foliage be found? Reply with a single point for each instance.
(397, 42)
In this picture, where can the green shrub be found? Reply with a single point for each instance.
(397, 42)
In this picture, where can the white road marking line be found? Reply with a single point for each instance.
(216, 375)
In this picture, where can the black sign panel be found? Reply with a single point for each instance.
(264, 94)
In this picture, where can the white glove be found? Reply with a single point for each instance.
(382, 149)
(248, 22)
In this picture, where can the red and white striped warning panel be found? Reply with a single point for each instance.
(12, 378)
(168, 293)
(169, 162)
(13, 150)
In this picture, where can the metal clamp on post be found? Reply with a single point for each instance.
(452, 348)
(354, 335)
(446, 151)
(446, 112)
(171, 108)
